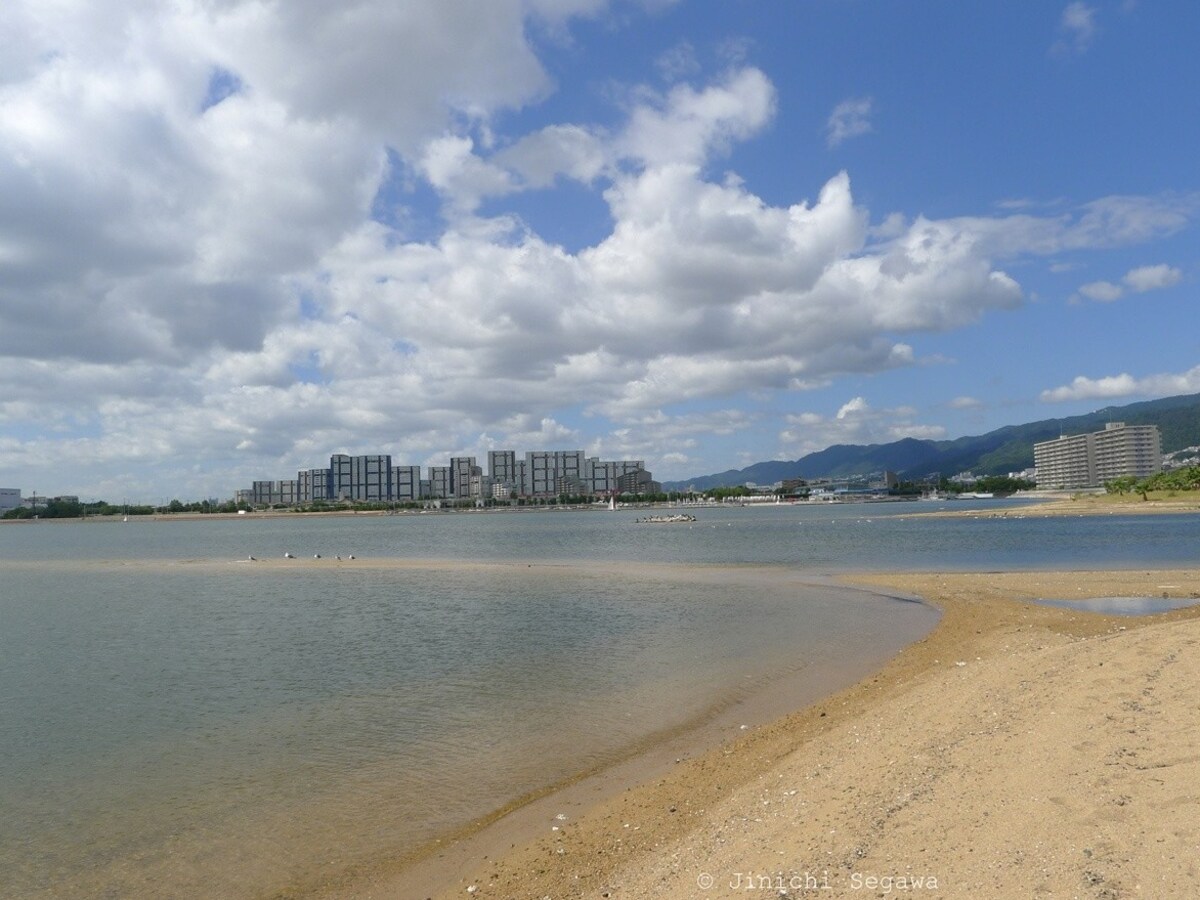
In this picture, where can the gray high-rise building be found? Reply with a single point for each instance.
(406, 483)
(313, 484)
(339, 477)
(439, 482)
(1091, 460)
(462, 468)
(502, 466)
(546, 468)
(371, 478)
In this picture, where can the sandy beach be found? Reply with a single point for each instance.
(1079, 505)
(1020, 750)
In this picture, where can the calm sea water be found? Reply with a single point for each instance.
(177, 720)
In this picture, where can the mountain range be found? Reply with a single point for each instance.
(1007, 449)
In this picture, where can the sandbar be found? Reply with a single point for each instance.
(1057, 505)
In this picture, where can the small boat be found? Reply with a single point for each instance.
(666, 520)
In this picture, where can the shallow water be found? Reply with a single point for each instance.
(180, 721)
(1123, 606)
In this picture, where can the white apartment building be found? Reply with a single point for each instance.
(1089, 460)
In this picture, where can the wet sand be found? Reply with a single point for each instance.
(1019, 750)
(1077, 505)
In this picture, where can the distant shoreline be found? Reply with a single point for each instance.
(1052, 504)
(1081, 505)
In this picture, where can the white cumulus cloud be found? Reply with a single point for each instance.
(1125, 385)
(856, 422)
(194, 271)
(1139, 280)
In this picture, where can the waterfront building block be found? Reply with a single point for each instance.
(371, 478)
(406, 483)
(462, 468)
(1078, 461)
(439, 482)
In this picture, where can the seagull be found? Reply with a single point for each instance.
(316, 556)
(288, 556)
(352, 556)
(251, 558)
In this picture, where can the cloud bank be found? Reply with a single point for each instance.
(238, 236)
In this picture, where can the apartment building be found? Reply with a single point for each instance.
(339, 476)
(373, 478)
(545, 468)
(1082, 461)
(406, 483)
(462, 470)
(312, 484)
(1127, 450)
(439, 483)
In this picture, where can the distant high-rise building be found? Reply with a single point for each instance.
(286, 492)
(313, 484)
(1090, 460)
(371, 478)
(406, 483)
(462, 468)
(638, 481)
(439, 482)
(602, 477)
(339, 476)
(263, 493)
(502, 466)
(546, 467)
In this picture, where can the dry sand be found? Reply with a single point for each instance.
(1018, 751)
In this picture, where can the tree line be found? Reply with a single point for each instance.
(58, 508)
(1186, 479)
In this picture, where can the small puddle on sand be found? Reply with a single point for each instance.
(1123, 606)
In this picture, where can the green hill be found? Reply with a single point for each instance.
(998, 452)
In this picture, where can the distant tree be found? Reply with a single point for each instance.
(1119, 486)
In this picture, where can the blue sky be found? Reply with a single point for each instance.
(236, 237)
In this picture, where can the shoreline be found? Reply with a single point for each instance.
(720, 812)
(1050, 504)
(1077, 505)
(438, 867)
